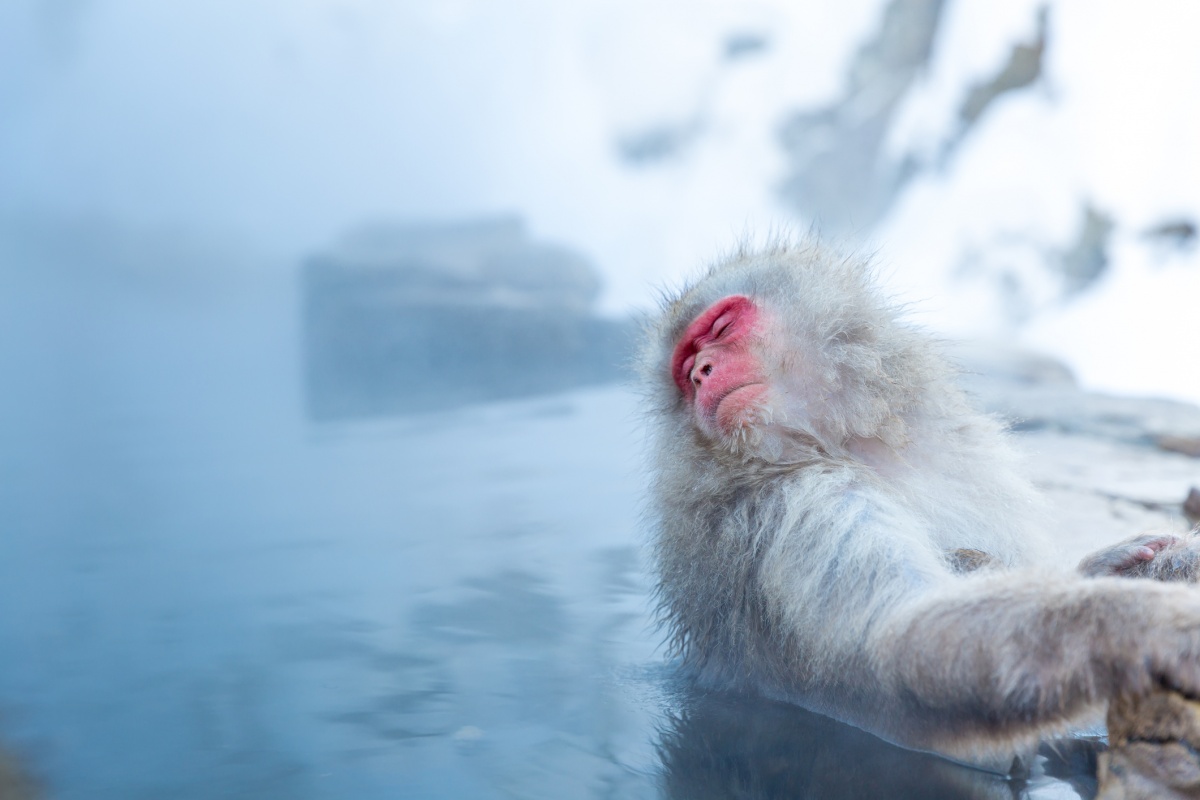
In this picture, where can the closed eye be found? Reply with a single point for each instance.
(722, 325)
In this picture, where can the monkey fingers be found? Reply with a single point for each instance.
(1130, 558)
(1179, 561)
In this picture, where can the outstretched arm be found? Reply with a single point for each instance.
(994, 659)
(888, 637)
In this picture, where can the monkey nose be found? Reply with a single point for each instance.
(701, 370)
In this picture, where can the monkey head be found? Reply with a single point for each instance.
(785, 355)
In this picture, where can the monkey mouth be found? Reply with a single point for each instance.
(738, 407)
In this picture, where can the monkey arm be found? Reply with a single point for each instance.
(886, 636)
(1001, 657)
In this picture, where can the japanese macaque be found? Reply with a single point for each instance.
(836, 526)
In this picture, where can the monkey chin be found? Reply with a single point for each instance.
(744, 421)
(741, 406)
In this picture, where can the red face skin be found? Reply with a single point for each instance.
(716, 368)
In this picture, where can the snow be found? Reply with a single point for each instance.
(972, 45)
(1003, 200)
(1111, 124)
(1137, 332)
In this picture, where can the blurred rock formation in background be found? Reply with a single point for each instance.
(402, 318)
(840, 175)
(15, 780)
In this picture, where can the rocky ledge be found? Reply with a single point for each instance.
(1111, 466)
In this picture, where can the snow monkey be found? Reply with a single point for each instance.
(836, 526)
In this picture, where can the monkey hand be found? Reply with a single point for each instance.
(1178, 561)
(1136, 557)
(1167, 653)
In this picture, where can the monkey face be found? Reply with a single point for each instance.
(792, 358)
(719, 372)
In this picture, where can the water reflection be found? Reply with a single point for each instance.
(510, 607)
(732, 746)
